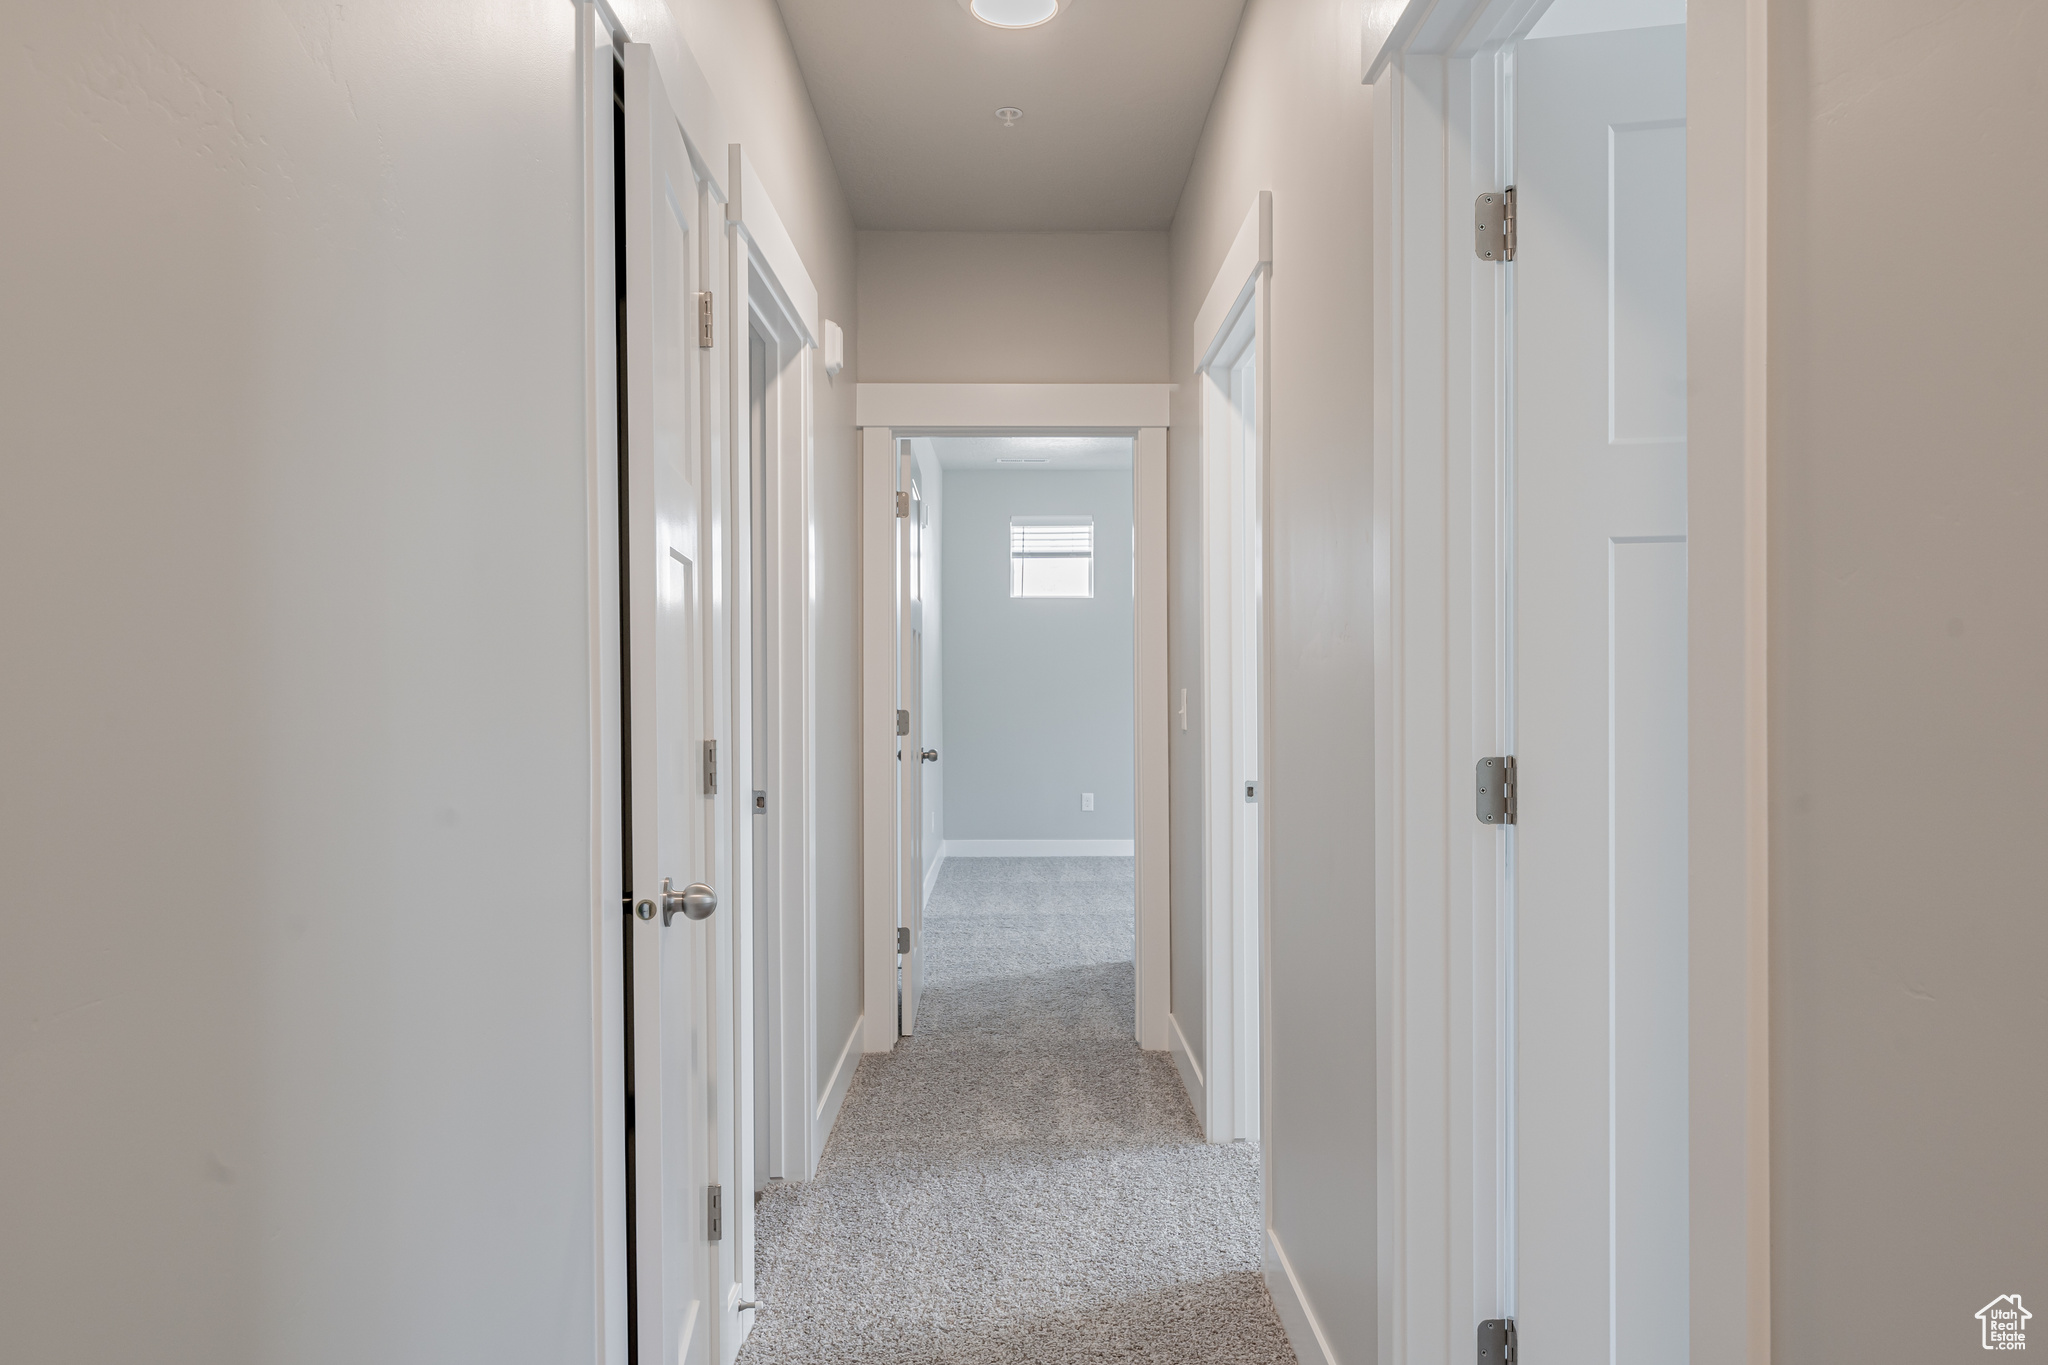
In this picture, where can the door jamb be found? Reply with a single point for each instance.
(886, 411)
(1440, 397)
(771, 291)
(1226, 1084)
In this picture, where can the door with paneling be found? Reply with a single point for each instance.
(1598, 866)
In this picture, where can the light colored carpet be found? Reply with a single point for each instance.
(1019, 1182)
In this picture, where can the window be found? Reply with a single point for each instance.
(1052, 557)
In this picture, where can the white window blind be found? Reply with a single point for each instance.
(1052, 557)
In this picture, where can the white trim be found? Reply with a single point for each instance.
(877, 516)
(1191, 1078)
(607, 844)
(1304, 1329)
(826, 1115)
(995, 407)
(1040, 848)
(1232, 646)
(753, 213)
(758, 297)
(1445, 1170)
(976, 406)
(931, 874)
(1151, 714)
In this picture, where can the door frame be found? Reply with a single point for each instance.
(771, 291)
(1140, 411)
(1441, 409)
(1225, 1084)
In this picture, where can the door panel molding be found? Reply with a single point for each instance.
(1441, 637)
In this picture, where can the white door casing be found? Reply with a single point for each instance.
(682, 975)
(1598, 596)
(910, 749)
(1442, 127)
(1232, 347)
(771, 300)
(880, 857)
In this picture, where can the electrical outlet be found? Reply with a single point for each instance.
(1087, 800)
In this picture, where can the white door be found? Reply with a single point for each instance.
(680, 965)
(1599, 621)
(910, 780)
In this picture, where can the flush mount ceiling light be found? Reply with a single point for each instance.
(1015, 13)
(1009, 116)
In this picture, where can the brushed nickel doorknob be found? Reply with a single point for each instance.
(695, 901)
(930, 755)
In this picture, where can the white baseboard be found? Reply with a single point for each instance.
(1304, 1333)
(931, 874)
(835, 1092)
(1040, 848)
(1190, 1070)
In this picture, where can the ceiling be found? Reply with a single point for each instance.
(1114, 94)
(1026, 454)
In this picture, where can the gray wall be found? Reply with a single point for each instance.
(1909, 926)
(1291, 116)
(295, 759)
(1038, 691)
(1013, 307)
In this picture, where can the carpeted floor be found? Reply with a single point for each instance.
(1018, 1182)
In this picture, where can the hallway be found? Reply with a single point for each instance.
(1018, 1182)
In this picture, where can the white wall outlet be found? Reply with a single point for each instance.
(1087, 800)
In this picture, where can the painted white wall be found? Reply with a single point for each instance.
(295, 972)
(931, 482)
(1907, 657)
(745, 53)
(1013, 307)
(1292, 117)
(1038, 690)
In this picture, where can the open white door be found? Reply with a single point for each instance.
(909, 697)
(1600, 1208)
(680, 968)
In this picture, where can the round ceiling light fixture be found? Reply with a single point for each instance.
(1009, 115)
(1015, 13)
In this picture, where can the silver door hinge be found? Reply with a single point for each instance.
(902, 724)
(1496, 783)
(760, 802)
(1497, 1341)
(716, 1210)
(902, 939)
(903, 504)
(1493, 216)
(704, 316)
(711, 767)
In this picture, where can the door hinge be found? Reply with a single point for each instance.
(1497, 1341)
(716, 1209)
(760, 802)
(711, 767)
(903, 504)
(1496, 782)
(902, 939)
(1494, 225)
(902, 723)
(704, 316)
